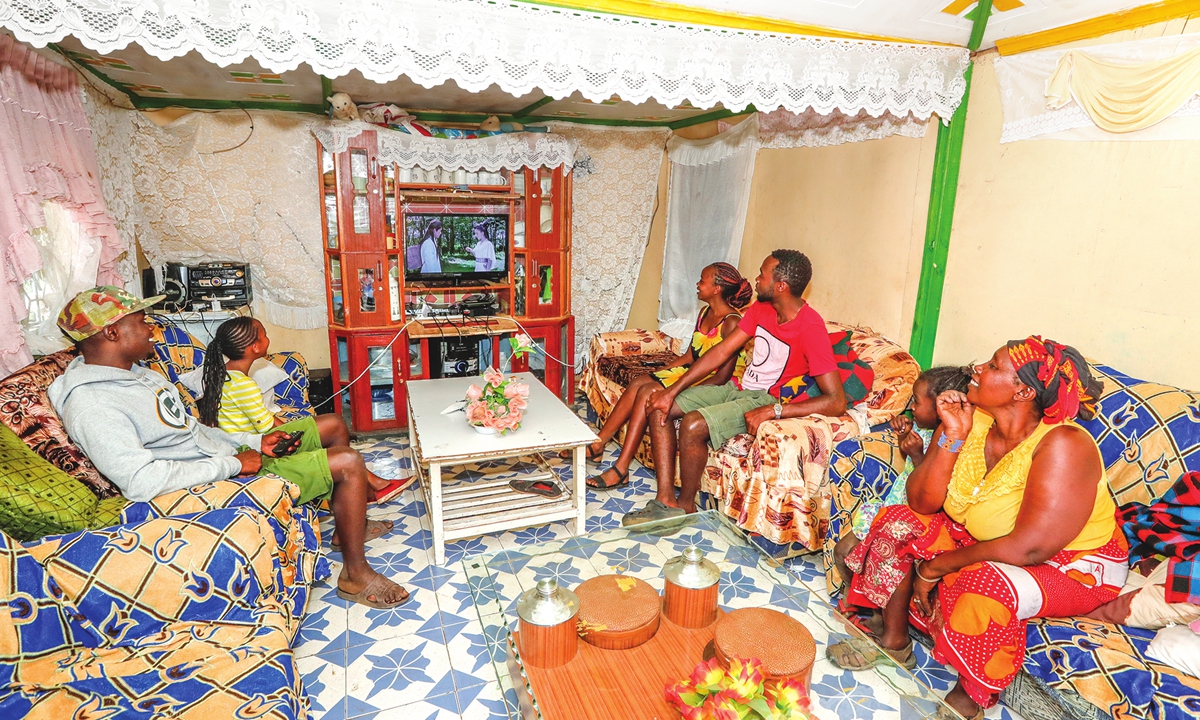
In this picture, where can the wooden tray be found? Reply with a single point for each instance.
(628, 684)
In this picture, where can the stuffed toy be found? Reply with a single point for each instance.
(383, 114)
(493, 124)
(341, 107)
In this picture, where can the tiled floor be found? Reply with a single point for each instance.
(429, 659)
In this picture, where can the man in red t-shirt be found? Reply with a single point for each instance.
(790, 341)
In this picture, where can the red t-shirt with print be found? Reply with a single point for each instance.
(798, 347)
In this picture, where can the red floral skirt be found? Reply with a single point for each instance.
(979, 613)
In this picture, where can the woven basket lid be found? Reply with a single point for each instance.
(616, 603)
(784, 646)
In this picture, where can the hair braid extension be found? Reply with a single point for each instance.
(735, 289)
(230, 341)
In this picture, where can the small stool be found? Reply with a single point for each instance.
(617, 612)
(785, 647)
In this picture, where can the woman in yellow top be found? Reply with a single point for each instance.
(1009, 518)
(725, 293)
(323, 466)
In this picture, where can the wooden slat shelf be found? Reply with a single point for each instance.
(485, 326)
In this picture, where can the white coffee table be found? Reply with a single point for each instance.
(488, 504)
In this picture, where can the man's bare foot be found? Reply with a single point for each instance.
(371, 589)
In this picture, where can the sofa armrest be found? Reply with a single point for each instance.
(293, 392)
(130, 581)
(632, 342)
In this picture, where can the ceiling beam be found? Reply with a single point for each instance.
(1103, 25)
(687, 15)
(528, 109)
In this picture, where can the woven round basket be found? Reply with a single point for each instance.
(785, 647)
(617, 612)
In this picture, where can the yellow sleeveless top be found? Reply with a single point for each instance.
(987, 503)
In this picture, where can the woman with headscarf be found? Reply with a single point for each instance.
(1009, 518)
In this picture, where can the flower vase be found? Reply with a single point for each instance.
(484, 430)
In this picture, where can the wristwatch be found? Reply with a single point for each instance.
(778, 410)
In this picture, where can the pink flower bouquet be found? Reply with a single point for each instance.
(499, 404)
(739, 693)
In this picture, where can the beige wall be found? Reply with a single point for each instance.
(312, 344)
(1092, 244)
(857, 210)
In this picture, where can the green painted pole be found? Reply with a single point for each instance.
(942, 194)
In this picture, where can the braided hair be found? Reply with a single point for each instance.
(946, 377)
(735, 289)
(230, 341)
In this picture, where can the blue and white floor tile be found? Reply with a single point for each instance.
(435, 658)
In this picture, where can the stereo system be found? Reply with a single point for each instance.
(454, 358)
(205, 286)
(472, 306)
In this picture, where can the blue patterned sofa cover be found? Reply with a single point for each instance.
(187, 608)
(1149, 436)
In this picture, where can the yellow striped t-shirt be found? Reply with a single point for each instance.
(242, 408)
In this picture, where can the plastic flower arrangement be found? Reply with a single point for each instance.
(740, 693)
(499, 405)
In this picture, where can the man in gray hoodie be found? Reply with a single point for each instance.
(132, 425)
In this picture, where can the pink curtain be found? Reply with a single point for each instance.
(46, 153)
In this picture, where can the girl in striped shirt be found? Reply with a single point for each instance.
(323, 467)
(239, 407)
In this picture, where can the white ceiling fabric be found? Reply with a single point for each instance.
(519, 47)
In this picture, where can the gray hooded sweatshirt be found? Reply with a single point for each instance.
(133, 426)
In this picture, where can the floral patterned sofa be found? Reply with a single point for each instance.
(188, 604)
(1075, 668)
(776, 484)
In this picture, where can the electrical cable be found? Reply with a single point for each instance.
(371, 364)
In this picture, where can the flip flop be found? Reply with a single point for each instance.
(377, 586)
(375, 529)
(653, 512)
(545, 488)
(861, 654)
(596, 482)
(391, 490)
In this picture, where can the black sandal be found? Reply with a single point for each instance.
(596, 482)
(587, 454)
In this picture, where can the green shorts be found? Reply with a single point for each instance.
(308, 467)
(724, 408)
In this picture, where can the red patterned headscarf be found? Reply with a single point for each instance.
(1059, 374)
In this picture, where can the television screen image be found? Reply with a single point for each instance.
(455, 245)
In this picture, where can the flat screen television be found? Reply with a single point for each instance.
(440, 246)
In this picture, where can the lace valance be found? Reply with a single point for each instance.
(510, 151)
(520, 47)
(1027, 110)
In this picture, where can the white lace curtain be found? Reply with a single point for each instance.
(46, 155)
(706, 215)
(519, 46)
(612, 206)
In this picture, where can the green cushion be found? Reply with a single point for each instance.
(38, 499)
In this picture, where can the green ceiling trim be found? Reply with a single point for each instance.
(326, 91)
(939, 222)
(528, 109)
(720, 114)
(133, 97)
(157, 103)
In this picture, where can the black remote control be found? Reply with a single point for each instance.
(281, 447)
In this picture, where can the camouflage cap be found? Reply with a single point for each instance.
(92, 310)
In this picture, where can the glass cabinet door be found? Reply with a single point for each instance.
(337, 294)
(383, 381)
